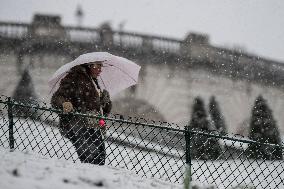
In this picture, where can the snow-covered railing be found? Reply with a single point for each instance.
(96, 36)
(123, 39)
(149, 148)
(13, 30)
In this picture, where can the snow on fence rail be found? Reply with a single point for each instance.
(151, 149)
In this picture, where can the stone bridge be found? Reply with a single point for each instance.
(173, 72)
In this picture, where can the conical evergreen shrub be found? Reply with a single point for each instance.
(202, 147)
(25, 93)
(216, 116)
(263, 129)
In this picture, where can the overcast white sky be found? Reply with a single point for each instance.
(256, 25)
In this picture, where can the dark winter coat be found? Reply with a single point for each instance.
(77, 88)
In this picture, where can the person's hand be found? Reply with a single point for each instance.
(105, 98)
(67, 107)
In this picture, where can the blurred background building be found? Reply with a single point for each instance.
(173, 72)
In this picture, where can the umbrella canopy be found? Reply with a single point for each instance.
(118, 73)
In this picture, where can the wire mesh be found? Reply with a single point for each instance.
(149, 148)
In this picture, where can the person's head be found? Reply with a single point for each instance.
(95, 69)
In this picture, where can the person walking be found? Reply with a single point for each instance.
(80, 91)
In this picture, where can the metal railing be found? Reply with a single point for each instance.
(149, 148)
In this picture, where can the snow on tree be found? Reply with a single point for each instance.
(263, 129)
(216, 116)
(202, 147)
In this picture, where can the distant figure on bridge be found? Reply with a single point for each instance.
(79, 91)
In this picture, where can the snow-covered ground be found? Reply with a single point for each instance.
(32, 171)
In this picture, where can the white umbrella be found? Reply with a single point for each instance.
(118, 73)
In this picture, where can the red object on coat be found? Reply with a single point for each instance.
(102, 122)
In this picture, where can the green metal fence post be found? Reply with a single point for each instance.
(11, 123)
(187, 179)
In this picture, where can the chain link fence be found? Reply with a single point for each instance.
(149, 148)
